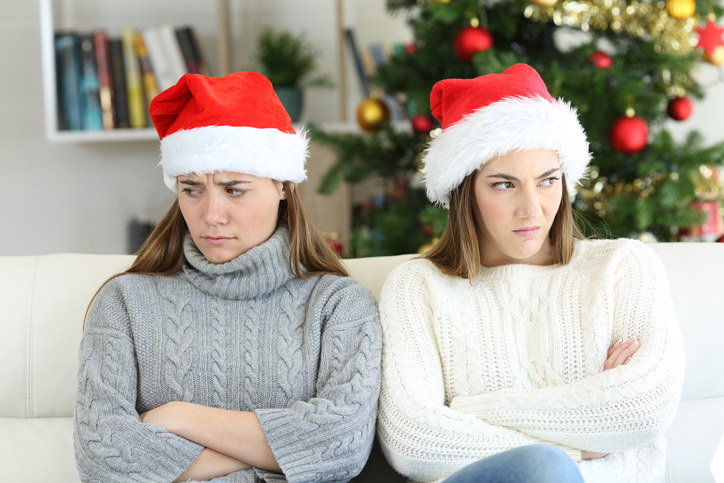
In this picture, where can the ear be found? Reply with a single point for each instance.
(279, 185)
(288, 185)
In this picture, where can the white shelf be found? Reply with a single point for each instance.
(115, 135)
(49, 22)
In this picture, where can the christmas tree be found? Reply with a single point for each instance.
(627, 67)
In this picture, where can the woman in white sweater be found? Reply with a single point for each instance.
(513, 330)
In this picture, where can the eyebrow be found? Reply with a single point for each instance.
(513, 178)
(226, 184)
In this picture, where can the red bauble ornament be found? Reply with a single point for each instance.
(410, 48)
(680, 108)
(601, 60)
(629, 134)
(336, 246)
(421, 124)
(471, 40)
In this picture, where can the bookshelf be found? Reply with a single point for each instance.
(86, 15)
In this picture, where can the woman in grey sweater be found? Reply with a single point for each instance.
(235, 346)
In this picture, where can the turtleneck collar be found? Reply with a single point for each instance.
(253, 273)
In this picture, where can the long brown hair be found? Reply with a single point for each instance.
(458, 250)
(162, 252)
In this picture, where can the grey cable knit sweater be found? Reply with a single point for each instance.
(246, 335)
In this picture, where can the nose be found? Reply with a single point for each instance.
(528, 204)
(215, 210)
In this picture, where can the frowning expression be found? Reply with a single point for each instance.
(228, 213)
(517, 196)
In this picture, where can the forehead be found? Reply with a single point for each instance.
(219, 177)
(533, 159)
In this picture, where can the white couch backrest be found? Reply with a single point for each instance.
(43, 300)
(696, 277)
(42, 303)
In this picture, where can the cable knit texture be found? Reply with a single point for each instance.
(246, 335)
(517, 357)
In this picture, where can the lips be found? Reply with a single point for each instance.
(528, 231)
(216, 240)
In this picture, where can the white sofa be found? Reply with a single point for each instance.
(43, 300)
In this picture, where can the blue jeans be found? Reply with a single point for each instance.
(536, 463)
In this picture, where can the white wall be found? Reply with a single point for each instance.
(79, 197)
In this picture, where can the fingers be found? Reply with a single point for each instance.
(590, 455)
(620, 353)
(613, 348)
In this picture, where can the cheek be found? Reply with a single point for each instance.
(488, 210)
(189, 215)
(553, 202)
(262, 215)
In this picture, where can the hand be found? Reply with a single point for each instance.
(162, 416)
(590, 455)
(620, 353)
(212, 464)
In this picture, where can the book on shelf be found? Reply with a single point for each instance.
(134, 84)
(118, 78)
(105, 83)
(190, 50)
(172, 51)
(359, 66)
(157, 56)
(67, 58)
(89, 87)
(150, 83)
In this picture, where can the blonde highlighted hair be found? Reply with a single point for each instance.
(458, 250)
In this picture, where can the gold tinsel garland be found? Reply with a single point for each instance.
(596, 191)
(647, 20)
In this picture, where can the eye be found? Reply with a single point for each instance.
(235, 191)
(191, 191)
(549, 181)
(503, 185)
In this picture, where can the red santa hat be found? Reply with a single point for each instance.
(232, 123)
(492, 115)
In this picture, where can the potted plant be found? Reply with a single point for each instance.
(289, 62)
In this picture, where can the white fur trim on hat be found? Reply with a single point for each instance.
(269, 153)
(512, 124)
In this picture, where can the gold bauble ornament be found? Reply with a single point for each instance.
(716, 59)
(544, 3)
(680, 9)
(372, 114)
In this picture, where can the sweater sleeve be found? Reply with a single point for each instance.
(329, 437)
(421, 437)
(618, 409)
(111, 442)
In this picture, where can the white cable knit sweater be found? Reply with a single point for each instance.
(517, 357)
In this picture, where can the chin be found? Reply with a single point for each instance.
(219, 256)
(531, 253)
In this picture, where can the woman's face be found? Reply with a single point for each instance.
(517, 196)
(228, 213)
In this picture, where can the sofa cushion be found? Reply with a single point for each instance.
(40, 449)
(697, 431)
(44, 300)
